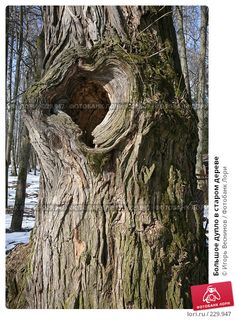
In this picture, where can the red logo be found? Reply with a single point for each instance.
(209, 296)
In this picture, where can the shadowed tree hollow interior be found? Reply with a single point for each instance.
(87, 103)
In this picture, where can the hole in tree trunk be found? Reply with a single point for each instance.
(89, 105)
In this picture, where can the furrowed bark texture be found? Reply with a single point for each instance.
(118, 223)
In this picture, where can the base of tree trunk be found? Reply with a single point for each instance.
(17, 268)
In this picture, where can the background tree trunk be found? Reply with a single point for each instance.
(18, 211)
(182, 47)
(201, 94)
(13, 160)
(33, 162)
(9, 36)
(24, 161)
(13, 100)
(118, 221)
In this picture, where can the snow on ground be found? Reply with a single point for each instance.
(205, 221)
(205, 213)
(28, 222)
(14, 238)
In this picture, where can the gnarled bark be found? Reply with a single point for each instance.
(118, 223)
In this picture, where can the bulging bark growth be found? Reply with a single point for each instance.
(118, 221)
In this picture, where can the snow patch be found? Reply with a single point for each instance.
(14, 238)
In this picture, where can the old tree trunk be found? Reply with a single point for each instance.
(118, 222)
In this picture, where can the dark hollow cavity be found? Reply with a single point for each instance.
(87, 103)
